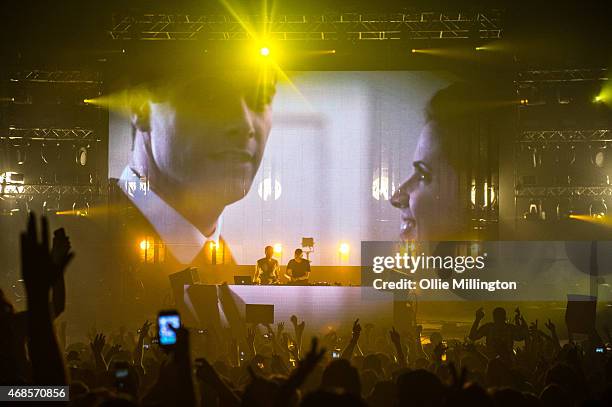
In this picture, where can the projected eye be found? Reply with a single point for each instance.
(421, 172)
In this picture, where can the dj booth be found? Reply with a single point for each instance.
(322, 307)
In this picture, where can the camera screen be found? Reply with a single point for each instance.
(166, 335)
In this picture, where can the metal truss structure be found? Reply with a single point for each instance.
(565, 192)
(347, 26)
(22, 190)
(40, 76)
(560, 136)
(52, 134)
(566, 75)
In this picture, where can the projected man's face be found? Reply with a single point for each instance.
(207, 138)
(429, 199)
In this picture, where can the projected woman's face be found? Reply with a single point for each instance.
(428, 200)
(207, 138)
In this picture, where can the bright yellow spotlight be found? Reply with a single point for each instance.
(87, 100)
(264, 51)
(480, 48)
(413, 50)
(598, 99)
(278, 248)
(144, 244)
(344, 248)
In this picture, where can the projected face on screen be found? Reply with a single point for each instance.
(205, 138)
(454, 170)
(340, 145)
(431, 191)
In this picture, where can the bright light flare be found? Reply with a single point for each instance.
(264, 51)
(598, 219)
(344, 249)
(144, 244)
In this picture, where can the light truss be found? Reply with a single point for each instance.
(565, 192)
(51, 134)
(348, 26)
(76, 77)
(565, 75)
(22, 190)
(569, 136)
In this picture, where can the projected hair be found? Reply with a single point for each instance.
(469, 118)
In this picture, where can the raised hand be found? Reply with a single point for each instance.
(97, 344)
(306, 365)
(480, 314)
(395, 337)
(280, 327)
(112, 352)
(38, 268)
(181, 348)
(143, 332)
(314, 355)
(60, 251)
(356, 328)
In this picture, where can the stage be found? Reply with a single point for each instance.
(324, 308)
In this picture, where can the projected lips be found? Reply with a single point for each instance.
(234, 156)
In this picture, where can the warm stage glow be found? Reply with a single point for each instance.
(264, 51)
(144, 244)
(278, 248)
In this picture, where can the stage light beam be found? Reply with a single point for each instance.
(278, 248)
(264, 51)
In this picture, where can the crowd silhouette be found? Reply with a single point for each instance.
(519, 364)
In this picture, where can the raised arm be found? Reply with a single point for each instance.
(143, 332)
(207, 374)
(397, 343)
(553, 334)
(476, 332)
(298, 329)
(97, 346)
(347, 353)
(40, 273)
(60, 249)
